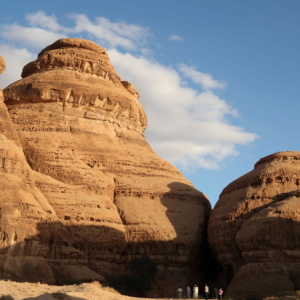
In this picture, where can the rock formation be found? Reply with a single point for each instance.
(103, 195)
(254, 229)
(30, 228)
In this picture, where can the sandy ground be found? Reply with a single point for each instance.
(85, 291)
(27, 290)
(10, 290)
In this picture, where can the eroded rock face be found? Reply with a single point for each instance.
(32, 237)
(254, 228)
(81, 129)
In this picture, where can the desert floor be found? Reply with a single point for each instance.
(10, 290)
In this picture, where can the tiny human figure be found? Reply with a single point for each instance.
(221, 293)
(215, 293)
(195, 292)
(188, 292)
(179, 291)
(206, 291)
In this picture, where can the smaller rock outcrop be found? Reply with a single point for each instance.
(2, 64)
(254, 229)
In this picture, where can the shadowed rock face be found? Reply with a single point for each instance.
(254, 229)
(81, 130)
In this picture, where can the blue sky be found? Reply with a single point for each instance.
(219, 80)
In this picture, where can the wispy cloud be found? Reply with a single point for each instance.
(175, 38)
(205, 80)
(45, 29)
(186, 126)
(31, 37)
(128, 36)
(16, 59)
(44, 21)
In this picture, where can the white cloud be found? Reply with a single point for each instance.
(44, 30)
(32, 37)
(146, 51)
(15, 60)
(128, 36)
(185, 126)
(44, 21)
(203, 79)
(175, 38)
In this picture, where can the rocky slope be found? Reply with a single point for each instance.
(254, 229)
(104, 191)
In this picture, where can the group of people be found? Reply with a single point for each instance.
(217, 293)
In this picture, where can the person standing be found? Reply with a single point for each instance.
(179, 291)
(188, 292)
(206, 291)
(195, 289)
(215, 293)
(221, 293)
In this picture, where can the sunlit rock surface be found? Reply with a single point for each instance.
(254, 229)
(82, 132)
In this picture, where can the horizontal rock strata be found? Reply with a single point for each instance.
(82, 132)
(25, 213)
(254, 228)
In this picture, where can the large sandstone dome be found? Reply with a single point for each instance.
(78, 74)
(95, 193)
(254, 229)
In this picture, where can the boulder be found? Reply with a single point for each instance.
(254, 229)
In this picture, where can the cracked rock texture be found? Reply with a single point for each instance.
(106, 196)
(254, 229)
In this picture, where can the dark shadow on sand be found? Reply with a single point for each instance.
(58, 296)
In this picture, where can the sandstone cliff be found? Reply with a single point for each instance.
(30, 228)
(104, 196)
(254, 229)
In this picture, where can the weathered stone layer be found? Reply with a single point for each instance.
(81, 130)
(255, 226)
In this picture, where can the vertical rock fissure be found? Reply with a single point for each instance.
(120, 212)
